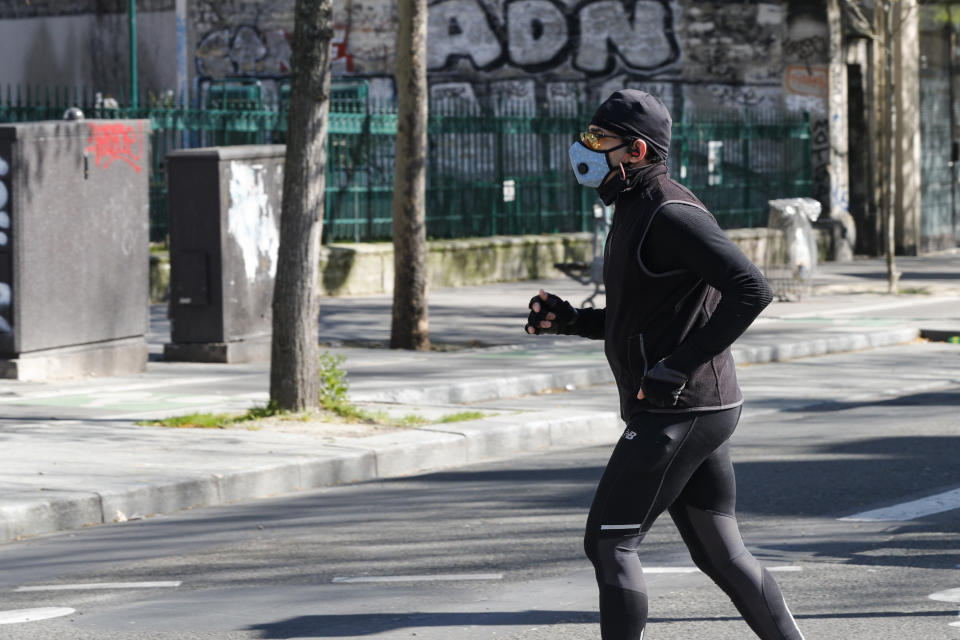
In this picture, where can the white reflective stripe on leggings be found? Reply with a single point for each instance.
(610, 527)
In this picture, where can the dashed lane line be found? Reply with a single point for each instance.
(948, 595)
(452, 577)
(92, 586)
(682, 570)
(17, 616)
(946, 501)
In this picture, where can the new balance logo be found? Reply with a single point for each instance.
(629, 435)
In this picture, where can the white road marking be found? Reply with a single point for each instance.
(101, 586)
(946, 501)
(423, 578)
(652, 570)
(682, 570)
(950, 595)
(499, 576)
(16, 616)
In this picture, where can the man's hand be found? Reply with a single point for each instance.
(662, 386)
(549, 314)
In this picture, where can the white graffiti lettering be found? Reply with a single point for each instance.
(537, 32)
(542, 34)
(642, 41)
(458, 29)
(593, 37)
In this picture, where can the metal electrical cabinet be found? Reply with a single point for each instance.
(74, 247)
(224, 238)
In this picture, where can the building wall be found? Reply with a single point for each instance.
(85, 48)
(708, 54)
(711, 54)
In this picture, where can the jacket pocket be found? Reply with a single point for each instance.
(636, 359)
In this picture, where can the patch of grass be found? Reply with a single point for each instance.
(353, 413)
(213, 420)
(411, 420)
(461, 416)
(333, 400)
(193, 421)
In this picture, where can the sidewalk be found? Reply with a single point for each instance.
(74, 457)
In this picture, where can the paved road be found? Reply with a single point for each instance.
(822, 438)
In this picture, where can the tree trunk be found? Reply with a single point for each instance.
(294, 382)
(891, 153)
(886, 134)
(411, 328)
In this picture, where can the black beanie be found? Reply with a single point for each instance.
(632, 113)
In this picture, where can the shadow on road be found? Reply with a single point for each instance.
(339, 626)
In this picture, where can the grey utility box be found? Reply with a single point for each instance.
(74, 245)
(224, 238)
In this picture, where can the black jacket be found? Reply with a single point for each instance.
(677, 288)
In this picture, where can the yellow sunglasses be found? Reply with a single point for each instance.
(592, 140)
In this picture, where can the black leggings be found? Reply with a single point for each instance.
(681, 462)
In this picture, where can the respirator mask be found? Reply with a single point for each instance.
(590, 162)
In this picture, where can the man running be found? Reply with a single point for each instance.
(679, 292)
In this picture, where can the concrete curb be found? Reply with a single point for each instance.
(762, 354)
(482, 390)
(391, 455)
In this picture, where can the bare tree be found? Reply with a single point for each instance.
(294, 382)
(411, 326)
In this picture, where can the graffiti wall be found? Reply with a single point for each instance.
(807, 84)
(726, 54)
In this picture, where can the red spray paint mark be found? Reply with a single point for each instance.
(114, 141)
(342, 59)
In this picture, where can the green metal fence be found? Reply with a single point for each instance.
(495, 169)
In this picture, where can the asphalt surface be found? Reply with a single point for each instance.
(494, 550)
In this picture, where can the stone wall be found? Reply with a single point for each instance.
(367, 268)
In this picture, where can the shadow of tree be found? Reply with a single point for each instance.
(347, 625)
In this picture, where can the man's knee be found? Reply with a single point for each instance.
(615, 559)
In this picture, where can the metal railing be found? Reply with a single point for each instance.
(493, 169)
